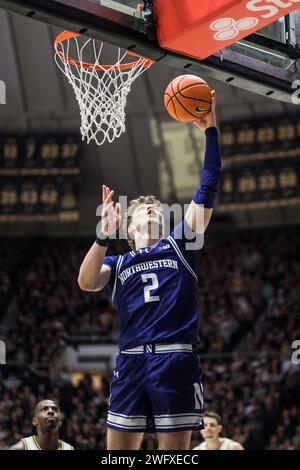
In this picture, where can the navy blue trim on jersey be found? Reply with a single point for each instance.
(119, 263)
(181, 257)
(154, 291)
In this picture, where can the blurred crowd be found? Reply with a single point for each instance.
(50, 306)
(249, 297)
(83, 408)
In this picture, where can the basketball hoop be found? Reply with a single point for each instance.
(101, 90)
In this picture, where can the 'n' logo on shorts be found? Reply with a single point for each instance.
(198, 396)
(149, 348)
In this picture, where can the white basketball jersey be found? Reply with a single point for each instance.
(224, 446)
(30, 443)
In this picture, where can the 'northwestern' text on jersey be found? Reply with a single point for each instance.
(154, 292)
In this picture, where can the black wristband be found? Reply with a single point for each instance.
(102, 241)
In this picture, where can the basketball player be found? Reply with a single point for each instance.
(47, 421)
(211, 435)
(157, 381)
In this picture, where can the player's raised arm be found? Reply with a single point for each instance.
(93, 275)
(200, 210)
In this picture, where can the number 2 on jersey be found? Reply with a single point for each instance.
(150, 287)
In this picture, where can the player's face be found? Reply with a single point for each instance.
(47, 416)
(148, 220)
(212, 429)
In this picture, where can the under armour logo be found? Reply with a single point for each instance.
(116, 373)
(228, 28)
(165, 247)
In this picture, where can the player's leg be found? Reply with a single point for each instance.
(117, 440)
(179, 440)
(175, 392)
(128, 405)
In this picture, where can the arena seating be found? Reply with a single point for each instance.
(249, 309)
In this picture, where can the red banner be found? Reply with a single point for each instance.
(200, 28)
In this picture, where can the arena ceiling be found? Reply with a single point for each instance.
(39, 97)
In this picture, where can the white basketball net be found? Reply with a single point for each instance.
(101, 91)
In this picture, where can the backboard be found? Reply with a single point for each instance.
(266, 62)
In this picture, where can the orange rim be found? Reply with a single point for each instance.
(65, 35)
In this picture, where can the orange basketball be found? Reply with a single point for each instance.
(187, 98)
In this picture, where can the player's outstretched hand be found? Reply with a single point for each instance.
(111, 212)
(210, 119)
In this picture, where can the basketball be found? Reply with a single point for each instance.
(187, 98)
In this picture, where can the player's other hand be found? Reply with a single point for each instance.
(111, 212)
(210, 119)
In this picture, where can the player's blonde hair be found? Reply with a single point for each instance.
(133, 205)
